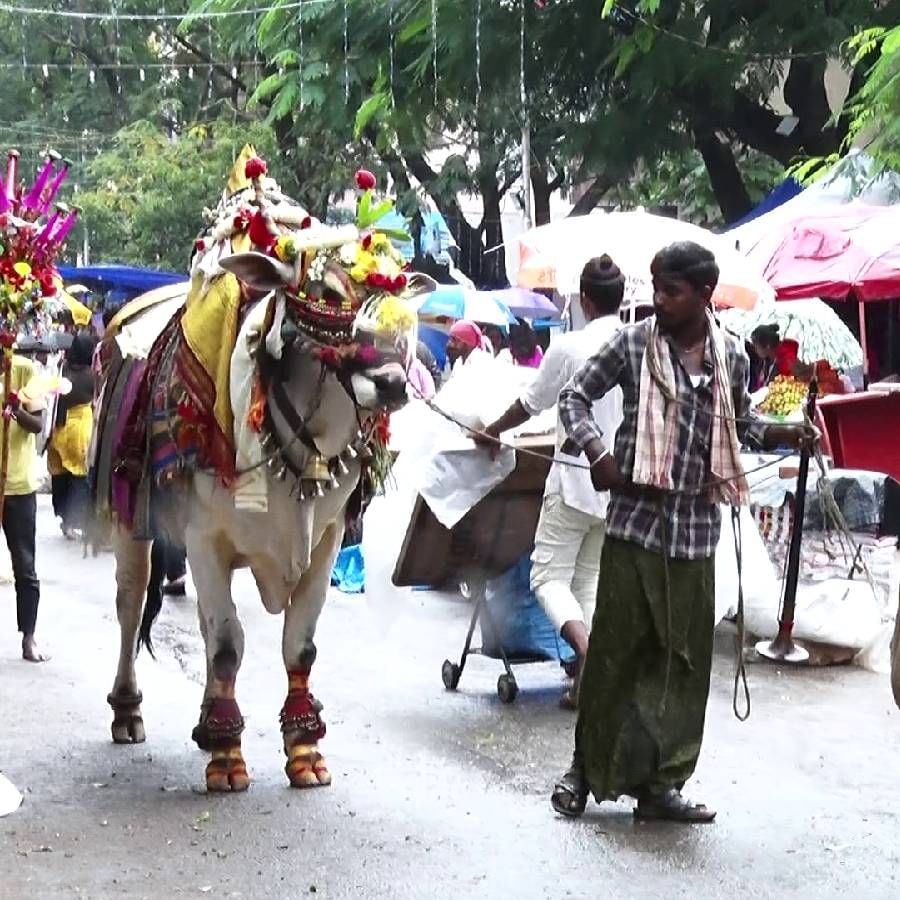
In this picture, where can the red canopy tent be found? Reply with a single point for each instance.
(849, 252)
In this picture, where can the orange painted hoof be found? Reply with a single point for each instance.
(227, 771)
(306, 767)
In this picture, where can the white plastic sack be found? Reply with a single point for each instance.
(839, 612)
(10, 797)
(761, 586)
(384, 528)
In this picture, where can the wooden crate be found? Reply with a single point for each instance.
(490, 538)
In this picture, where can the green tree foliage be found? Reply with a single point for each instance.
(716, 64)
(623, 99)
(875, 109)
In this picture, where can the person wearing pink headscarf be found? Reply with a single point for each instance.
(466, 338)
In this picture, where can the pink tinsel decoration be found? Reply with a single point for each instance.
(65, 227)
(54, 188)
(11, 167)
(43, 238)
(32, 200)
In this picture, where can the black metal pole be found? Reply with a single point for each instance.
(783, 647)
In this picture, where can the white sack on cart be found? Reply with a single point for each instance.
(456, 474)
(761, 585)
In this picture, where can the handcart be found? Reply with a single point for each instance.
(485, 543)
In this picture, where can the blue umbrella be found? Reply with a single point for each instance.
(457, 302)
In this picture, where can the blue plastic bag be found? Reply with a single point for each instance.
(522, 625)
(349, 571)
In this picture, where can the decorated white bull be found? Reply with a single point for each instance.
(301, 350)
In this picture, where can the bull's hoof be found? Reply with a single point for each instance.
(306, 767)
(128, 729)
(227, 771)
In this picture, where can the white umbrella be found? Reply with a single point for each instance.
(814, 325)
(552, 256)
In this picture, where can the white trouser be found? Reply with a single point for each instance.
(565, 565)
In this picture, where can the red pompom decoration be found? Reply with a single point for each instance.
(365, 180)
(307, 222)
(200, 245)
(255, 167)
(242, 220)
(367, 241)
(329, 356)
(259, 231)
(48, 287)
(399, 282)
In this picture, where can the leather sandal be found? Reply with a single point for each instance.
(570, 795)
(671, 806)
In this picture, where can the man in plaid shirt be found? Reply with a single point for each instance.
(645, 682)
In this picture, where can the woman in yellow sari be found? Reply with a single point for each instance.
(68, 447)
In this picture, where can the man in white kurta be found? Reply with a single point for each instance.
(569, 536)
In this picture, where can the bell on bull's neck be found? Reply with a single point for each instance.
(316, 469)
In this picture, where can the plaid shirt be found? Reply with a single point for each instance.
(692, 522)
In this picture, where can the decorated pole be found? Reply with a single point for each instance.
(29, 282)
(7, 418)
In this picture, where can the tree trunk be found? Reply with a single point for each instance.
(724, 176)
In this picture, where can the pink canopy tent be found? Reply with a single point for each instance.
(849, 252)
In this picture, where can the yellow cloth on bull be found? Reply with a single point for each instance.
(210, 326)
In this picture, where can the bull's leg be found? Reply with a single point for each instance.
(132, 575)
(301, 722)
(222, 725)
(200, 735)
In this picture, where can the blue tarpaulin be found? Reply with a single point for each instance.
(787, 190)
(125, 280)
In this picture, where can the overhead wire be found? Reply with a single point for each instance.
(161, 16)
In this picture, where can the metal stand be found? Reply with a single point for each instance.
(783, 648)
(451, 672)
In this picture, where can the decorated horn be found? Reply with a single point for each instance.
(32, 202)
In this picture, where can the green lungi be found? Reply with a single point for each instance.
(635, 733)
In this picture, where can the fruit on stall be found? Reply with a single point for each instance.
(785, 396)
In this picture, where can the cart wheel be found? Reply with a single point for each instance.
(450, 675)
(507, 689)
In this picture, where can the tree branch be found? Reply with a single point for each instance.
(595, 192)
(205, 57)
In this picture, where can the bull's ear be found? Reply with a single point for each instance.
(420, 284)
(258, 270)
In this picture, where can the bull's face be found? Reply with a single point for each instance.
(362, 328)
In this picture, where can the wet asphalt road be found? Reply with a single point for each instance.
(435, 795)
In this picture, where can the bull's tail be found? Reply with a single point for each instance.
(154, 601)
